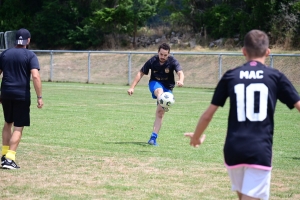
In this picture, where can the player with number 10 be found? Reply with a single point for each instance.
(253, 90)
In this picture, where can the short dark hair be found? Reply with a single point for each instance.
(256, 43)
(164, 46)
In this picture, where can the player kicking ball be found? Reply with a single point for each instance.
(162, 67)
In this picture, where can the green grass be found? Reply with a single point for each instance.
(90, 142)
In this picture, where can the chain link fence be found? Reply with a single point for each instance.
(10, 39)
(120, 67)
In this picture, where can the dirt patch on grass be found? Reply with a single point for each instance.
(54, 173)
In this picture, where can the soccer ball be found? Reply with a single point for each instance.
(166, 99)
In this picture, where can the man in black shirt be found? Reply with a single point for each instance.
(18, 65)
(162, 79)
(253, 90)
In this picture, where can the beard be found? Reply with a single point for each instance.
(161, 60)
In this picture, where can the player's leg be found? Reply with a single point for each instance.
(160, 111)
(10, 156)
(6, 135)
(245, 197)
(159, 114)
(240, 195)
(15, 139)
(156, 90)
(21, 118)
(7, 127)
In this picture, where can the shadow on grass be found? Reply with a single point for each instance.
(294, 158)
(135, 143)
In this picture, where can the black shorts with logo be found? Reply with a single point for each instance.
(17, 112)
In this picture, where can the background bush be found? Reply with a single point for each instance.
(83, 24)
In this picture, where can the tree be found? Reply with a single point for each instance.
(221, 21)
(52, 23)
(183, 13)
(126, 17)
(285, 24)
(16, 14)
(66, 23)
(82, 24)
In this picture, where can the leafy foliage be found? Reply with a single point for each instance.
(221, 21)
(285, 25)
(17, 13)
(82, 24)
(126, 17)
(52, 24)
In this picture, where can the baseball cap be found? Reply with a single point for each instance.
(22, 36)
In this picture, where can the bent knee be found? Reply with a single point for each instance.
(160, 113)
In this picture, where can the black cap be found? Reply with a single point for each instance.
(22, 36)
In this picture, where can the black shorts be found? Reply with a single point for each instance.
(17, 112)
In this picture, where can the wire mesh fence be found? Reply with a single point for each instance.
(119, 68)
(10, 39)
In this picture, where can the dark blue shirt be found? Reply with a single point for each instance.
(253, 90)
(162, 73)
(16, 65)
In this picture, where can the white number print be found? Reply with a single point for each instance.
(248, 110)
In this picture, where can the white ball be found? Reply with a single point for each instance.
(166, 99)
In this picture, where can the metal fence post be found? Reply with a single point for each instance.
(129, 68)
(89, 67)
(51, 65)
(2, 40)
(271, 61)
(220, 66)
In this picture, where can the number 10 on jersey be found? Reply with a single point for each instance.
(251, 101)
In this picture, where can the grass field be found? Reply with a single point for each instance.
(90, 142)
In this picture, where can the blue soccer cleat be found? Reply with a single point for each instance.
(152, 140)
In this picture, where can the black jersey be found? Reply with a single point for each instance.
(16, 65)
(162, 73)
(253, 90)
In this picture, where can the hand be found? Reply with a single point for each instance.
(195, 142)
(130, 91)
(40, 103)
(179, 83)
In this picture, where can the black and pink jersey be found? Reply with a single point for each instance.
(253, 90)
(162, 73)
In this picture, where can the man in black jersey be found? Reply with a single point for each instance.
(162, 79)
(253, 90)
(18, 65)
